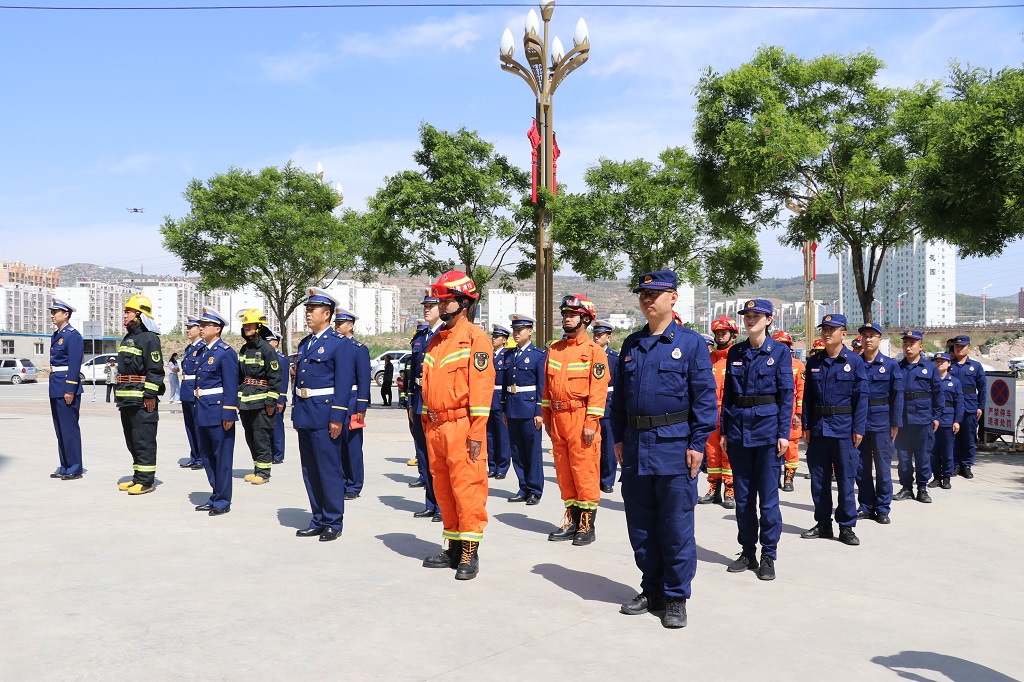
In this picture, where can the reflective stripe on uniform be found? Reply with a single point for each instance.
(253, 397)
(595, 411)
(456, 356)
(151, 386)
(131, 350)
(480, 411)
(143, 468)
(262, 465)
(554, 364)
(127, 393)
(578, 365)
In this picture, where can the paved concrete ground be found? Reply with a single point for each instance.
(101, 585)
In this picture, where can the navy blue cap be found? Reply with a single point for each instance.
(342, 315)
(602, 327)
(272, 335)
(870, 327)
(500, 330)
(758, 305)
(211, 315)
(912, 334)
(962, 340)
(659, 280)
(941, 356)
(519, 320)
(428, 298)
(833, 320)
(318, 296)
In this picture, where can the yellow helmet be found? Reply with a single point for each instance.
(140, 303)
(254, 316)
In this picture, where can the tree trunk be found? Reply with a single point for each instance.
(865, 287)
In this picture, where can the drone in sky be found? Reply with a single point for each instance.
(136, 210)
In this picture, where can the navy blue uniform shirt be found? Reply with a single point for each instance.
(613, 371)
(975, 386)
(752, 373)
(922, 400)
(952, 399)
(524, 367)
(884, 383)
(218, 369)
(66, 350)
(835, 382)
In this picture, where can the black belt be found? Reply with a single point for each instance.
(829, 410)
(875, 402)
(654, 420)
(914, 395)
(752, 400)
(970, 391)
(950, 403)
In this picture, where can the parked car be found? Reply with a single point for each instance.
(17, 370)
(398, 358)
(94, 369)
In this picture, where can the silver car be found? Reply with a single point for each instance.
(17, 370)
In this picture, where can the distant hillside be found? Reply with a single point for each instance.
(969, 308)
(69, 274)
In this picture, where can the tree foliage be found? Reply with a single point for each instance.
(650, 215)
(972, 184)
(464, 197)
(274, 230)
(820, 138)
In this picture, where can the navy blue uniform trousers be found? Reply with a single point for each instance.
(964, 440)
(755, 482)
(497, 444)
(609, 465)
(320, 456)
(188, 415)
(352, 459)
(824, 454)
(218, 448)
(659, 519)
(942, 451)
(69, 434)
(524, 439)
(277, 444)
(875, 493)
(419, 439)
(914, 455)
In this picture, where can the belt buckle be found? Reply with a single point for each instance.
(199, 393)
(303, 393)
(513, 389)
(432, 416)
(560, 405)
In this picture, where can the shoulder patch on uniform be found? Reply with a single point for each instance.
(274, 365)
(599, 370)
(480, 360)
(155, 355)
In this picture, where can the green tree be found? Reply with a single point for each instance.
(464, 197)
(650, 214)
(274, 230)
(972, 184)
(820, 138)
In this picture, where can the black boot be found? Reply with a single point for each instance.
(712, 493)
(570, 522)
(448, 558)
(966, 472)
(945, 484)
(469, 563)
(746, 561)
(586, 534)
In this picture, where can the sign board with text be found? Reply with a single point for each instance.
(1001, 407)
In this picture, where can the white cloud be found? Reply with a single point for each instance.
(133, 163)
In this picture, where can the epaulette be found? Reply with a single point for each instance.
(358, 344)
(70, 328)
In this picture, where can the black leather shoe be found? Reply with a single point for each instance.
(351, 496)
(490, 474)
(945, 484)
(205, 507)
(422, 514)
(197, 467)
(328, 534)
(934, 483)
(532, 499)
(848, 537)
(642, 603)
(309, 532)
(437, 518)
(186, 465)
(743, 562)
(217, 511)
(417, 484)
(825, 533)
(865, 515)
(278, 461)
(607, 489)
(499, 477)
(882, 518)
(70, 477)
(675, 614)
(56, 474)
(966, 472)
(904, 494)
(923, 496)
(766, 571)
(518, 498)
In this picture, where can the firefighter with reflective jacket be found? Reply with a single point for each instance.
(140, 369)
(259, 387)
(719, 472)
(458, 384)
(572, 405)
(796, 430)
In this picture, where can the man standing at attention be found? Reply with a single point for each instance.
(189, 365)
(523, 385)
(352, 454)
(663, 410)
(458, 384)
(497, 432)
(216, 408)
(971, 375)
(66, 350)
(609, 465)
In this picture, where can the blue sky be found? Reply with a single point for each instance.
(109, 110)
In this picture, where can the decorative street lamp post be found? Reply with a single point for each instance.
(899, 309)
(547, 65)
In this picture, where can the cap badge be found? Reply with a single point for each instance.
(648, 279)
(750, 304)
(828, 318)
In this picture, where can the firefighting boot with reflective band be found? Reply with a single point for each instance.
(730, 498)
(448, 558)
(125, 485)
(787, 482)
(586, 534)
(139, 489)
(712, 492)
(469, 564)
(570, 522)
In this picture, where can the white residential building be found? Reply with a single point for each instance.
(916, 287)
(684, 305)
(98, 302)
(25, 308)
(501, 304)
(375, 304)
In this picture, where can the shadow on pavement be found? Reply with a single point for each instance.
(586, 586)
(523, 522)
(240, 473)
(397, 460)
(612, 504)
(400, 503)
(712, 557)
(4, 460)
(401, 478)
(198, 498)
(408, 545)
(956, 669)
(294, 518)
(786, 527)
(795, 505)
(183, 460)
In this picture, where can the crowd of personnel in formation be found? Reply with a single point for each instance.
(664, 407)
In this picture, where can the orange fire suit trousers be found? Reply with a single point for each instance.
(718, 460)
(793, 454)
(577, 466)
(460, 485)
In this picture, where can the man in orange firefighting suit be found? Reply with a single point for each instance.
(796, 431)
(719, 472)
(572, 405)
(458, 384)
